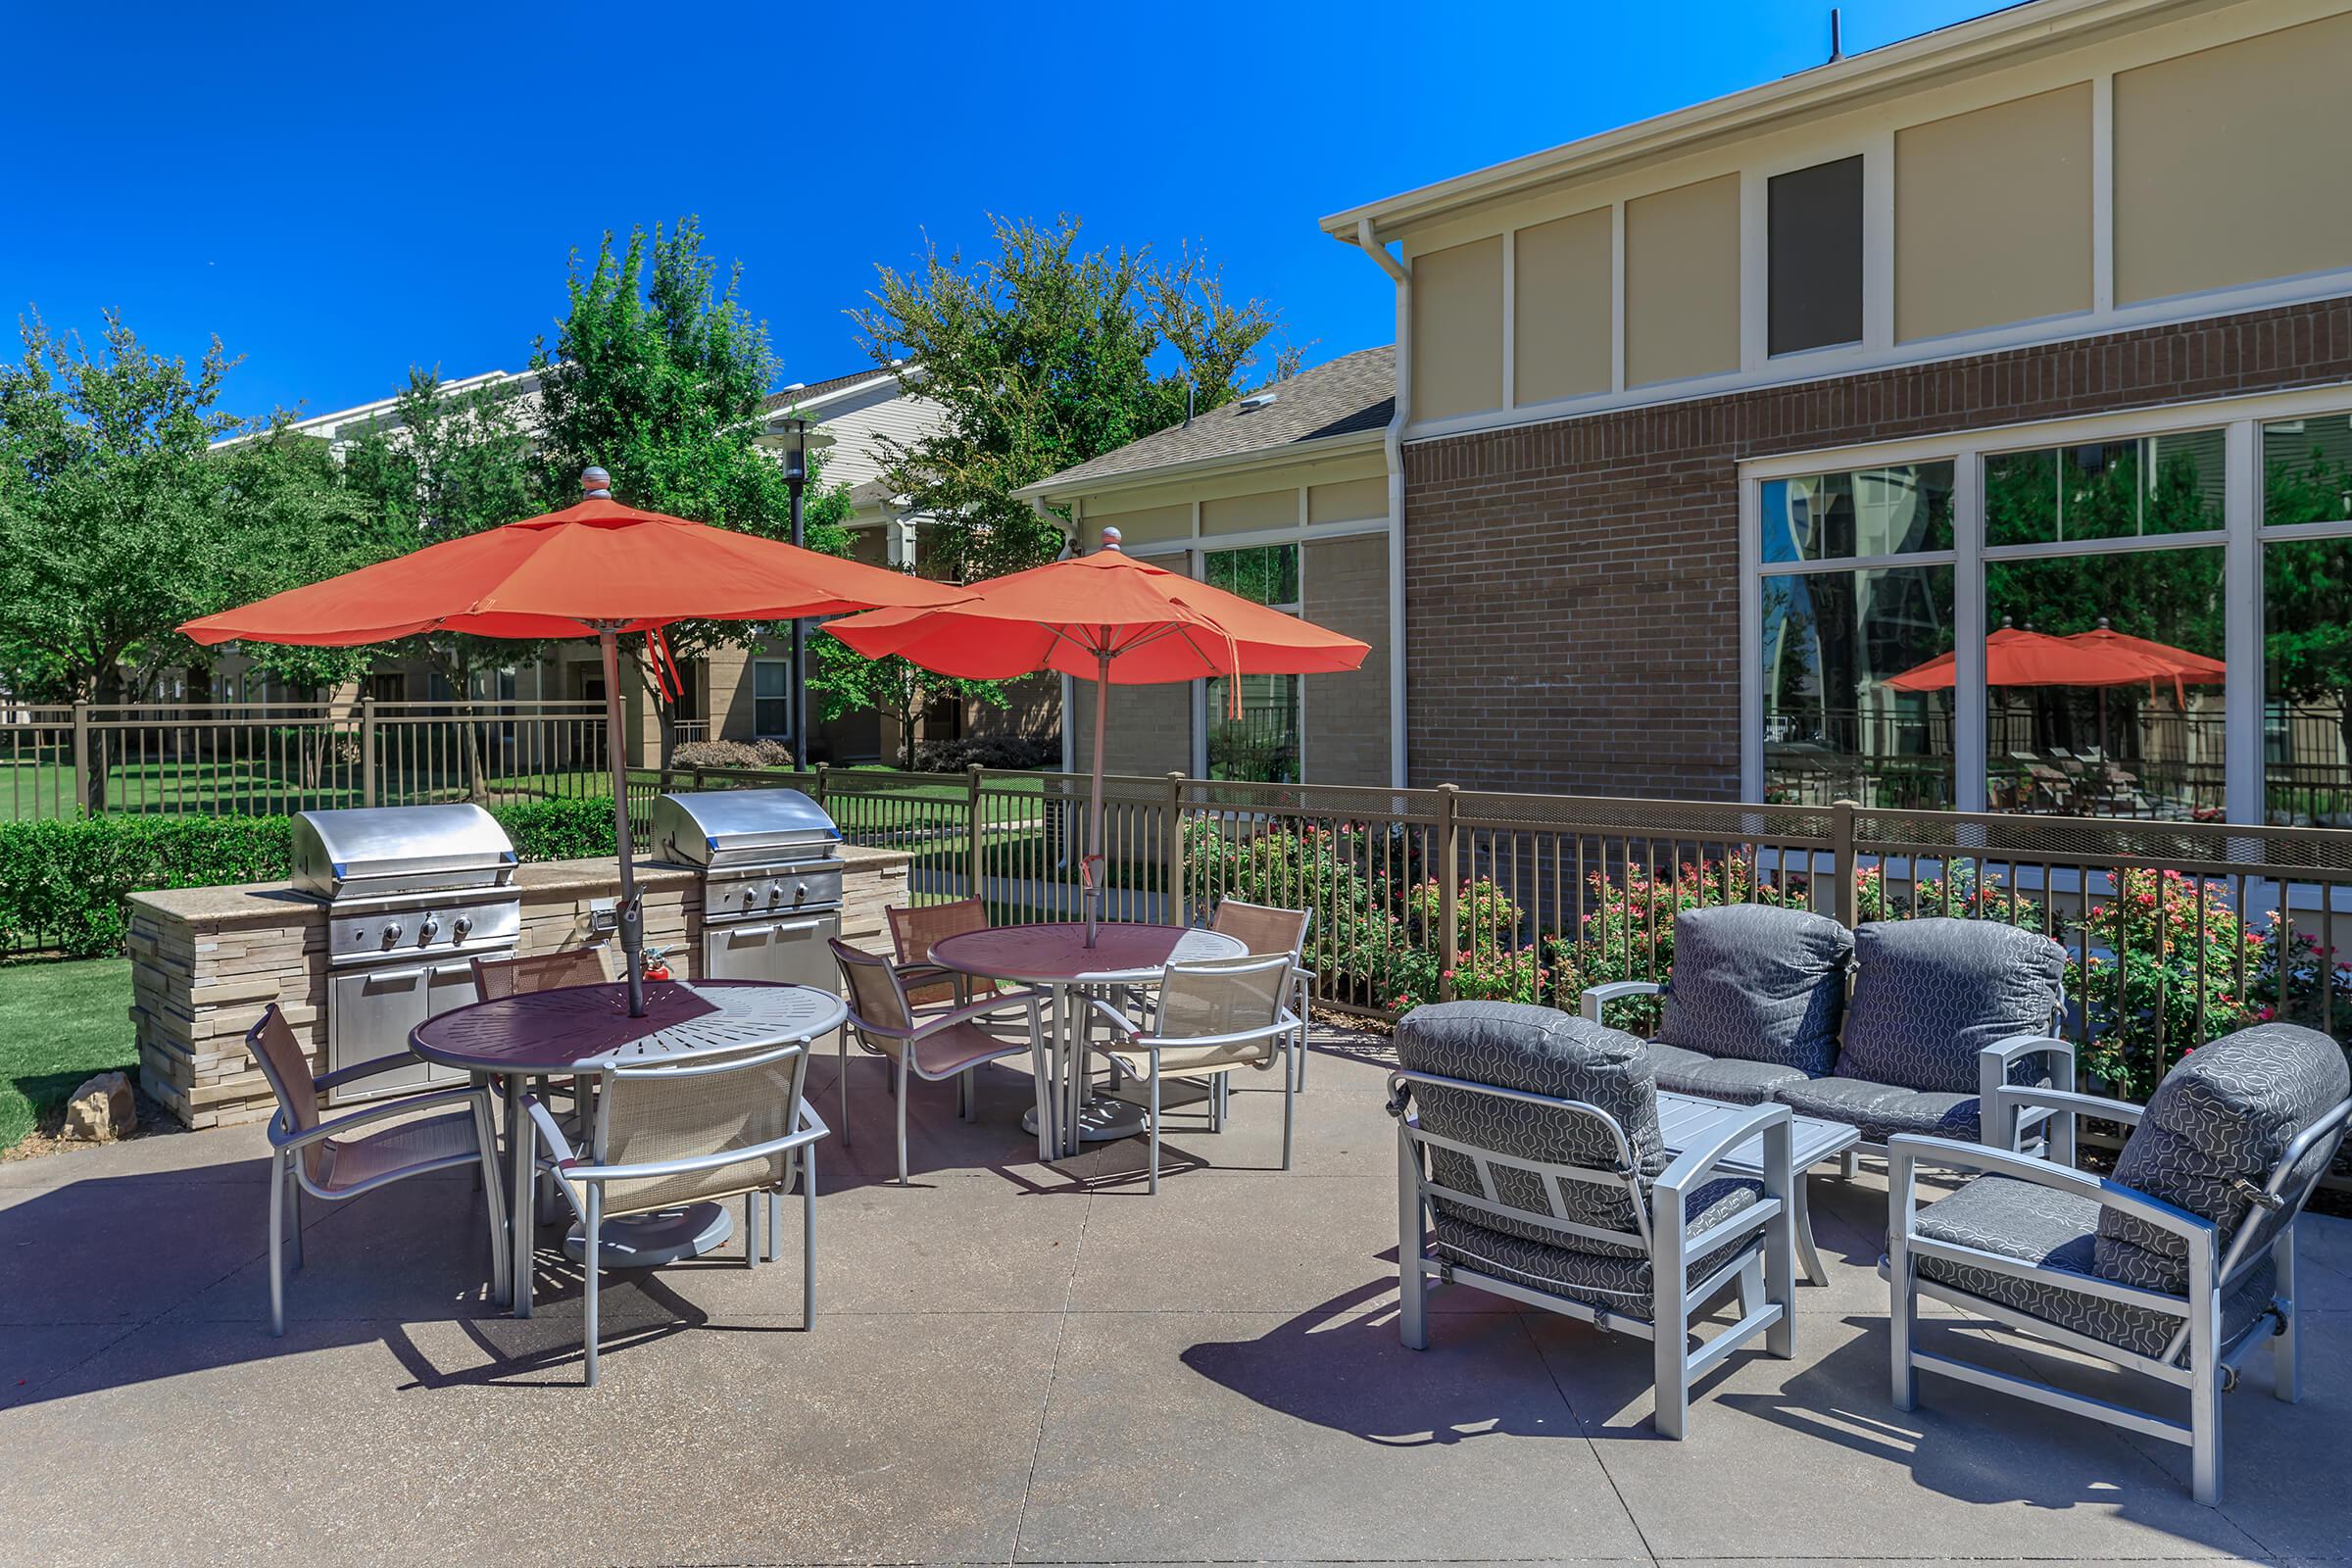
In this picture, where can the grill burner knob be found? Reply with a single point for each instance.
(775, 894)
(428, 928)
(391, 932)
(800, 892)
(462, 924)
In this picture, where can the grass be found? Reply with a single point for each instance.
(36, 791)
(59, 1023)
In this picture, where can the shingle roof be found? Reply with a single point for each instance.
(809, 391)
(1352, 393)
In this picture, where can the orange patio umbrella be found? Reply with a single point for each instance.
(2182, 666)
(2015, 657)
(595, 570)
(1108, 618)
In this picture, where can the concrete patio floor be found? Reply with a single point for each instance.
(1024, 1363)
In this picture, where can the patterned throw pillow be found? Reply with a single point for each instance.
(1758, 983)
(1545, 1052)
(1930, 995)
(2224, 1114)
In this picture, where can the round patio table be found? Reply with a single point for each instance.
(1054, 956)
(574, 1031)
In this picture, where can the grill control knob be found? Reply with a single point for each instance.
(462, 924)
(800, 892)
(428, 928)
(775, 894)
(391, 932)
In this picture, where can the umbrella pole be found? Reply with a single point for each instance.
(632, 919)
(1088, 870)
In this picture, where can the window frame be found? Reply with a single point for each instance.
(785, 697)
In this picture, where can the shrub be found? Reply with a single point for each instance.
(559, 830)
(1020, 754)
(732, 753)
(1628, 928)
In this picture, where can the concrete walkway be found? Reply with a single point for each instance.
(1022, 1363)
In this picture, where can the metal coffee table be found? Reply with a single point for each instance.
(1686, 1119)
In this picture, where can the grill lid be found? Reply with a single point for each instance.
(717, 828)
(399, 849)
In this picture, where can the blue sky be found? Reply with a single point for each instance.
(341, 193)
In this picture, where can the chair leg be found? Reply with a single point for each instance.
(1850, 1165)
(1154, 1184)
(1290, 1119)
(493, 1201)
(278, 1243)
(842, 1037)
(1671, 1362)
(750, 1229)
(899, 1089)
(775, 1220)
(808, 1235)
(294, 1210)
(588, 1261)
(2286, 1348)
(1412, 1281)
(1902, 1323)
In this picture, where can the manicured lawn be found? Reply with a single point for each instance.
(59, 1023)
(31, 791)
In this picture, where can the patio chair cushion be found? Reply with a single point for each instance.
(1752, 982)
(1931, 993)
(2223, 1115)
(1742, 1083)
(2057, 1231)
(1545, 1052)
(1878, 1111)
(1620, 1282)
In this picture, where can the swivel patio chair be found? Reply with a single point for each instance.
(322, 1158)
(701, 1130)
(1942, 1012)
(1531, 1165)
(2170, 1268)
(930, 1047)
(1205, 1021)
(1264, 931)
(912, 930)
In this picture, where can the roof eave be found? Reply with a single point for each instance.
(1056, 488)
(1978, 41)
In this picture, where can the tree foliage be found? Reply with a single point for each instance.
(1042, 356)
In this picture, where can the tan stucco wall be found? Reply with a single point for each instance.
(1251, 514)
(1992, 216)
(1347, 716)
(1348, 500)
(1560, 310)
(1457, 329)
(1139, 527)
(2230, 164)
(1682, 282)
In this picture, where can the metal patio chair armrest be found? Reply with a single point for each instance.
(1124, 1026)
(1994, 1065)
(1598, 997)
(796, 1139)
(561, 1159)
(283, 1140)
(1002, 1001)
(1283, 1025)
(1695, 1165)
(2063, 1108)
(1906, 1152)
(362, 1070)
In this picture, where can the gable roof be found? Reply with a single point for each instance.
(804, 394)
(1351, 395)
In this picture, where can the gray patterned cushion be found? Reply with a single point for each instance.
(1742, 1083)
(1878, 1111)
(1756, 983)
(2226, 1113)
(1545, 1051)
(1621, 1283)
(2055, 1230)
(1931, 993)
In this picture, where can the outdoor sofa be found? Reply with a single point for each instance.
(1938, 1015)
(2175, 1267)
(1531, 1165)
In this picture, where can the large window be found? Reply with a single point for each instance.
(2307, 620)
(1837, 633)
(1261, 744)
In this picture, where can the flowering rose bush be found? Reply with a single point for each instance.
(1628, 929)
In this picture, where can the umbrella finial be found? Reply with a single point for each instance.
(596, 484)
(1110, 538)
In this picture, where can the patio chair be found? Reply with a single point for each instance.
(1531, 1165)
(1265, 931)
(2170, 1268)
(700, 1130)
(940, 1045)
(497, 978)
(1203, 1021)
(322, 1158)
(1942, 1012)
(911, 933)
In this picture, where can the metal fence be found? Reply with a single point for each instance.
(276, 757)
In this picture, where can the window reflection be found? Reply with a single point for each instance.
(2160, 484)
(1868, 512)
(1833, 727)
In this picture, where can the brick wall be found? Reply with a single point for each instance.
(1347, 716)
(1572, 603)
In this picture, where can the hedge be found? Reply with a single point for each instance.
(63, 882)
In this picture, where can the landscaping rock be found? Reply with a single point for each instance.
(102, 1110)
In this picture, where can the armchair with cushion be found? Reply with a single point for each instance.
(1531, 1165)
(2173, 1267)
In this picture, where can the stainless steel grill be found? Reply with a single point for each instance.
(413, 894)
(772, 880)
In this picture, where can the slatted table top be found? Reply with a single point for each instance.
(576, 1028)
(1686, 1119)
(1055, 952)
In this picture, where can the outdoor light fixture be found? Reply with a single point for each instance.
(794, 439)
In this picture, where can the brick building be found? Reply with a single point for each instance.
(1724, 441)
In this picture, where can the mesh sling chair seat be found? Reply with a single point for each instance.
(1203, 1021)
(703, 1129)
(2170, 1268)
(930, 1045)
(1530, 1163)
(913, 930)
(323, 1157)
(1264, 931)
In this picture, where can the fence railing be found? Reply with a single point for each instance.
(274, 757)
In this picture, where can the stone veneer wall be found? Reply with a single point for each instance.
(206, 962)
(1572, 588)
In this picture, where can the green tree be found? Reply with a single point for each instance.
(2307, 589)
(658, 376)
(1042, 356)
